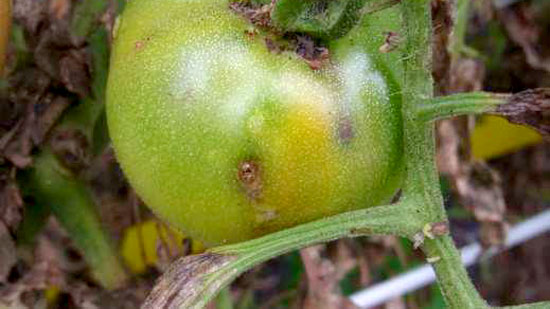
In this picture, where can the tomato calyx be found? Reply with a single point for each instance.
(306, 46)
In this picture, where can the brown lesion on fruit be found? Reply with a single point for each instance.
(140, 44)
(249, 175)
(391, 42)
(345, 129)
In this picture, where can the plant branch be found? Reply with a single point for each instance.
(460, 104)
(422, 179)
(192, 281)
(530, 107)
(453, 280)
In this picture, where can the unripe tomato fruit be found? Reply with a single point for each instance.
(227, 140)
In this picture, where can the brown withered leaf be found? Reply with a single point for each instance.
(466, 75)
(28, 86)
(44, 272)
(11, 202)
(115, 199)
(323, 280)
(29, 13)
(442, 24)
(59, 9)
(47, 112)
(48, 54)
(18, 149)
(72, 149)
(31, 130)
(184, 281)
(7, 252)
(481, 191)
(530, 107)
(74, 72)
(519, 21)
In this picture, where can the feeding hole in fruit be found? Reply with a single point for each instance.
(249, 174)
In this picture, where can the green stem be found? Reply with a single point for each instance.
(539, 305)
(422, 182)
(233, 260)
(456, 287)
(395, 219)
(55, 187)
(460, 104)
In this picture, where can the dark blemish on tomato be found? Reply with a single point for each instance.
(391, 42)
(249, 175)
(250, 34)
(140, 44)
(345, 130)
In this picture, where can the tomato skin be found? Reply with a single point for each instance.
(228, 141)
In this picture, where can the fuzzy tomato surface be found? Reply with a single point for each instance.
(227, 139)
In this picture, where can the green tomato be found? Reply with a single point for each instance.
(229, 141)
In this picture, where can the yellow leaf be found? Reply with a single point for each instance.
(494, 136)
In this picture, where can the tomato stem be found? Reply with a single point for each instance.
(460, 104)
(222, 265)
(422, 179)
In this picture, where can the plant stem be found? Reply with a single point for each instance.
(422, 182)
(395, 219)
(460, 104)
(55, 187)
(456, 287)
(217, 268)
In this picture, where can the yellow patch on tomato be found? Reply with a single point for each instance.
(304, 168)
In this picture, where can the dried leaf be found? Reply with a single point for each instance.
(530, 107)
(74, 72)
(18, 150)
(442, 21)
(11, 202)
(323, 281)
(59, 9)
(183, 282)
(48, 112)
(71, 148)
(45, 272)
(522, 29)
(30, 13)
(7, 253)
